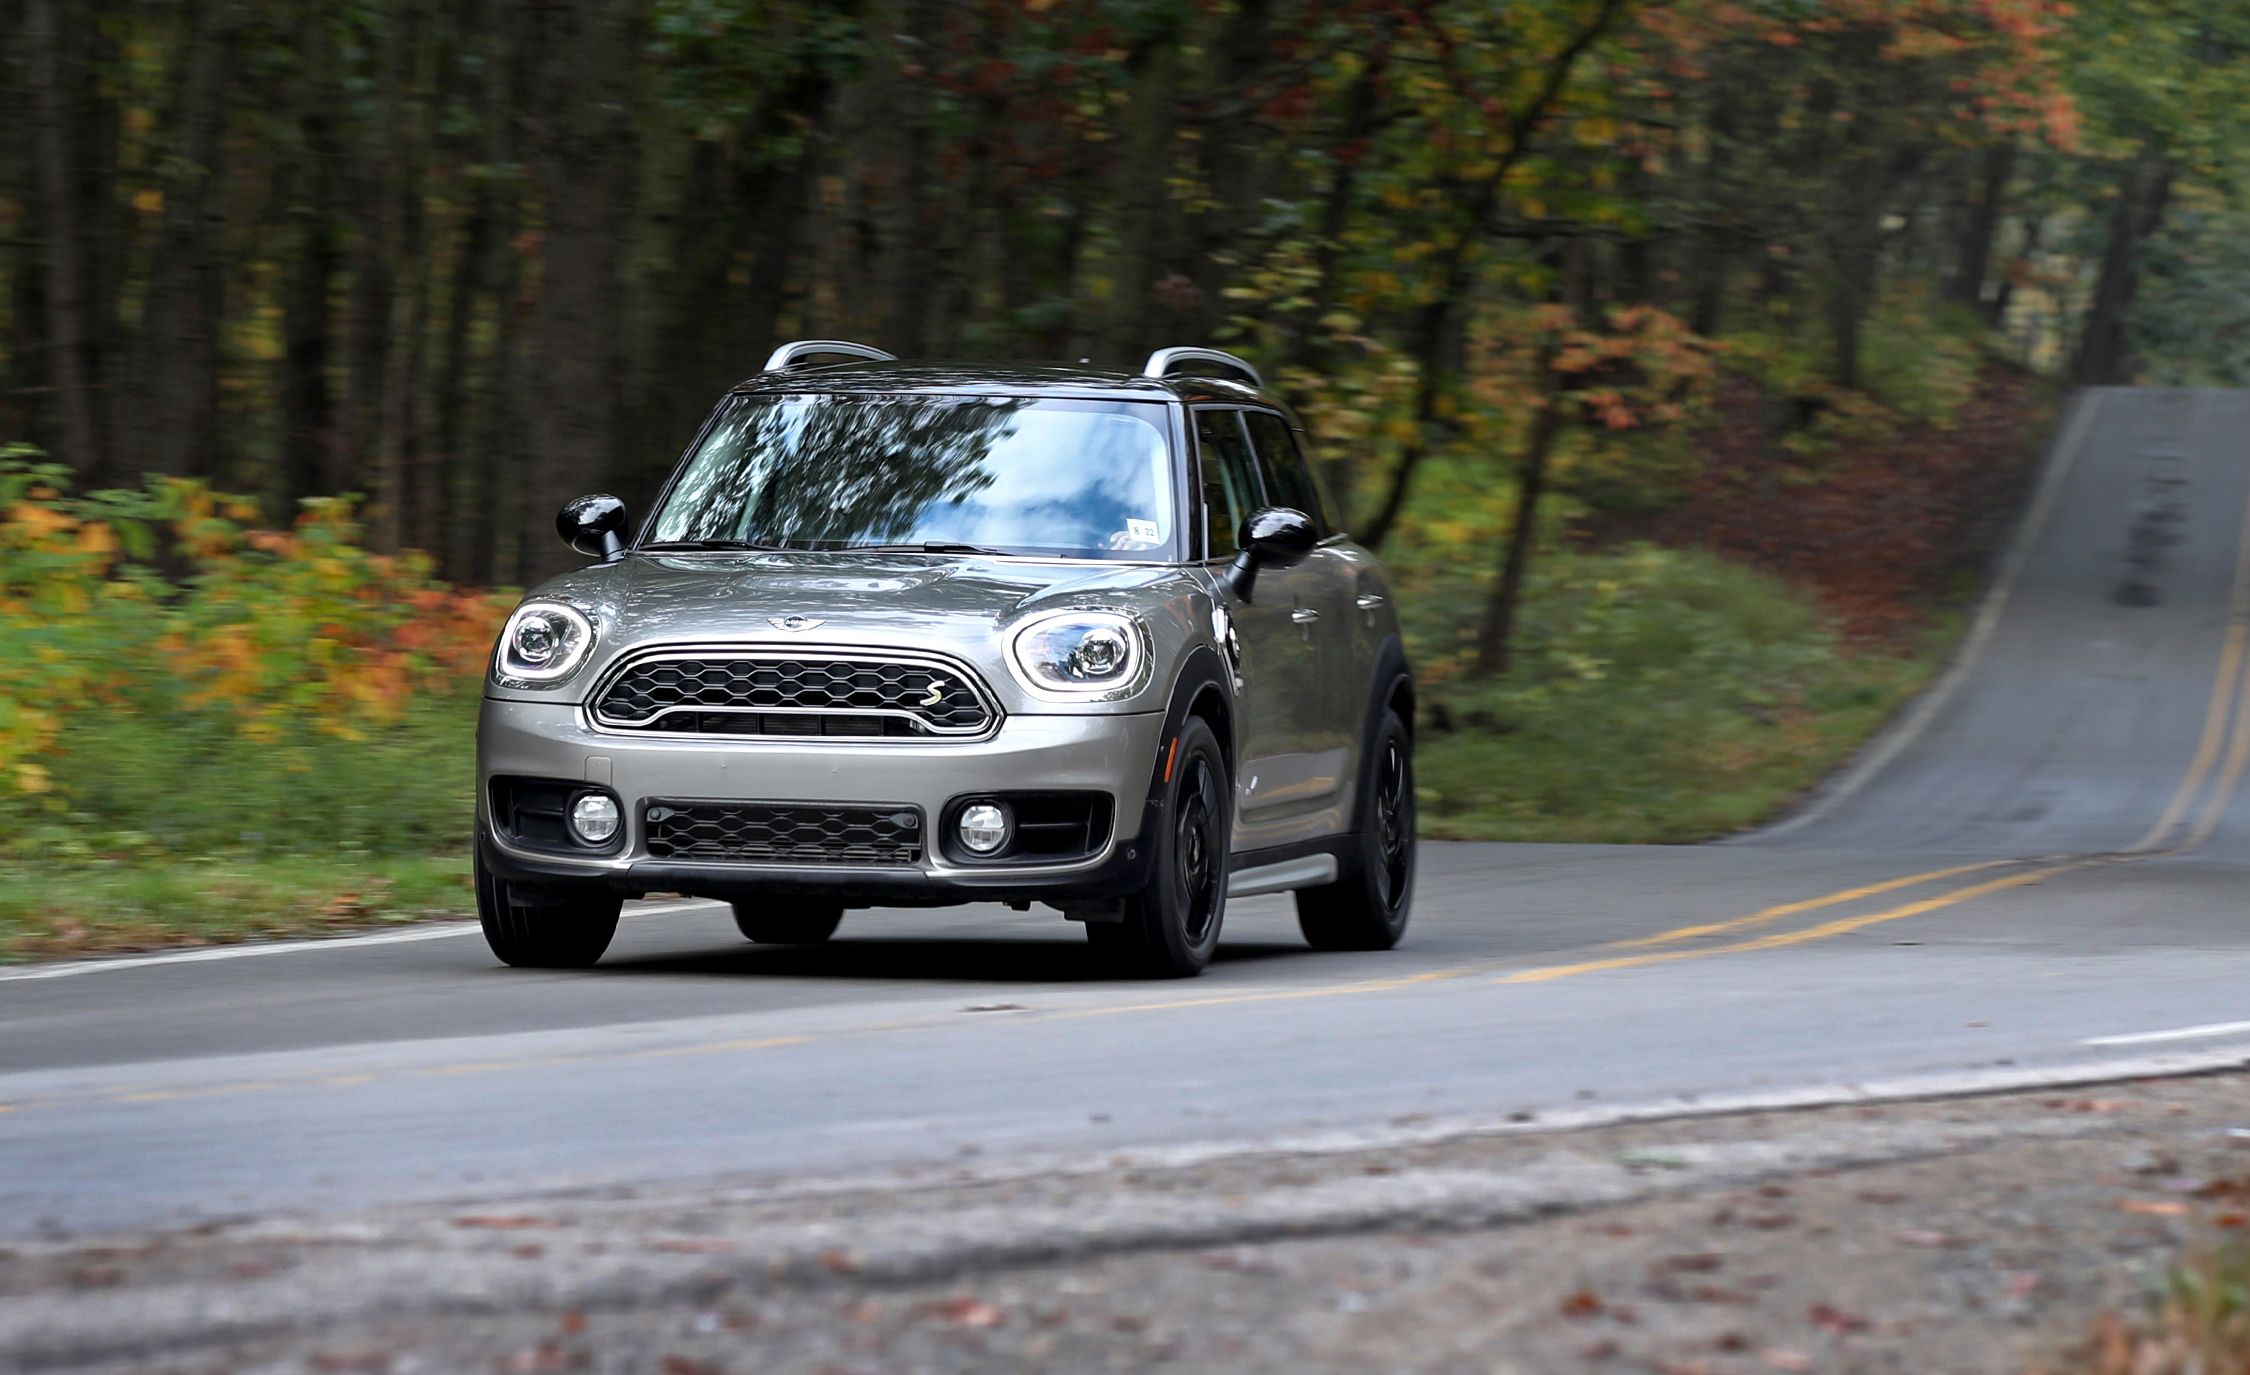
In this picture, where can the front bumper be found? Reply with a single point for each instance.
(1113, 754)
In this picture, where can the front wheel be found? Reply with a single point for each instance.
(781, 922)
(1366, 909)
(544, 928)
(1172, 926)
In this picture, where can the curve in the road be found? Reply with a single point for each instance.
(2037, 874)
(2099, 706)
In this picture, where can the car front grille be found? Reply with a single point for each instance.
(847, 695)
(785, 833)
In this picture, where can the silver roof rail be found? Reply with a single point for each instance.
(787, 355)
(1165, 362)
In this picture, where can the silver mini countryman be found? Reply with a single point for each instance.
(912, 635)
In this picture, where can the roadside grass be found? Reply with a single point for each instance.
(167, 830)
(107, 907)
(2198, 1324)
(1656, 696)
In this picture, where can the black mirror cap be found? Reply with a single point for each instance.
(594, 525)
(1274, 535)
(1279, 535)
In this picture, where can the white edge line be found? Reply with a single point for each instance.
(1862, 770)
(433, 932)
(2184, 1033)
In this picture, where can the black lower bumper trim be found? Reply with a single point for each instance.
(1125, 872)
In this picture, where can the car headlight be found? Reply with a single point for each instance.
(1079, 651)
(544, 642)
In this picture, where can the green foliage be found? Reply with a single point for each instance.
(50, 909)
(280, 693)
(1658, 695)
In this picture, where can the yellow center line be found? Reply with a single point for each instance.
(2230, 777)
(1791, 909)
(2215, 722)
(1776, 940)
(2215, 716)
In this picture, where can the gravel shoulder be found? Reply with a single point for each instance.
(1965, 1235)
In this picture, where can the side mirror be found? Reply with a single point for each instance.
(594, 526)
(1274, 535)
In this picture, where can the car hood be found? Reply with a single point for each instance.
(958, 605)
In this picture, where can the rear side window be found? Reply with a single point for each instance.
(1230, 479)
(1288, 481)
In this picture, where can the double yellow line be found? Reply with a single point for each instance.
(2226, 724)
(2213, 776)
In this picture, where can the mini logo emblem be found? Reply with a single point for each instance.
(937, 693)
(793, 624)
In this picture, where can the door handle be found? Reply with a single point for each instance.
(1304, 615)
(1368, 601)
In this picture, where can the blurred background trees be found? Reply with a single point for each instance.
(1686, 360)
(470, 257)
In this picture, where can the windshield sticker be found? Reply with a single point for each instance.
(1142, 530)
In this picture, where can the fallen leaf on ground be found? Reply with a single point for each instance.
(1915, 1236)
(967, 1311)
(1583, 1305)
(499, 1223)
(1834, 1319)
(543, 1359)
(2151, 1207)
(1694, 1262)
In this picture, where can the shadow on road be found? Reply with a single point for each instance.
(931, 960)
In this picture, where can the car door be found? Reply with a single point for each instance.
(1277, 655)
(1333, 699)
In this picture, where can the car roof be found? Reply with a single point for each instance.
(981, 379)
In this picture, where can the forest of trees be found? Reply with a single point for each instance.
(468, 258)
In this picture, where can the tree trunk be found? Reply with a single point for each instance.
(2105, 350)
(1439, 326)
(1143, 205)
(582, 53)
(310, 459)
(172, 416)
(1496, 635)
(1975, 263)
(66, 292)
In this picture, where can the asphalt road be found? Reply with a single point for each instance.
(2040, 870)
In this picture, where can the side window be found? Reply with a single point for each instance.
(1288, 481)
(1230, 479)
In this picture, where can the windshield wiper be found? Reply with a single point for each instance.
(677, 545)
(925, 547)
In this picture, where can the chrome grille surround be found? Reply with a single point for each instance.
(796, 693)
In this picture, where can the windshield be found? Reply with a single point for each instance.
(1075, 479)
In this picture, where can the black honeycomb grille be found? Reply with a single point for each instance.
(815, 695)
(784, 833)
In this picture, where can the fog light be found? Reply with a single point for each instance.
(594, 816)
(984, 828)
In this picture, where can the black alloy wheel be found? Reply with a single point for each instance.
(1171, 927)
(1367, 906)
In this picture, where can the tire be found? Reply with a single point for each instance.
(780, 921)
(1367, 908)
(1172, 926)
(544, 928)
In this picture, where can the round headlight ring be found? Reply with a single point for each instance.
(1077, 653)
(543, 643)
